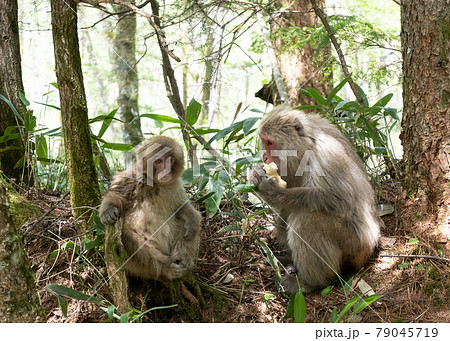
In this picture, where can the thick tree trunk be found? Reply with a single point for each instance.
(83, 182)
(19, 299)
(127, 78)
(10, 85)
(426, 103)
(297, 67)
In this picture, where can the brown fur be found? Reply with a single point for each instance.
(160, 227)
(330, 212)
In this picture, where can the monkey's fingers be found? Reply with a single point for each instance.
(178, 268)
(257, 176)
(110, 216)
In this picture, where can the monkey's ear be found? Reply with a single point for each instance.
(298, 127)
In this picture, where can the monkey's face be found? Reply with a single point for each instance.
(159, 168)
(270, 145)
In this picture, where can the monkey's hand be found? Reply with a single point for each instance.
(178, 268)
(257, 176)
(109, 215)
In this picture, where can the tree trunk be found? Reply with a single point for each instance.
(19, 299)
(426, 103)
(10, 85)
(83, 183)
(297, 67)
(127, 77)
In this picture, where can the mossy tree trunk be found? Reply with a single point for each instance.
(298, 68)
(127, 77)
(19, 299)
(10, 85)
(83, 182)
(426, 103)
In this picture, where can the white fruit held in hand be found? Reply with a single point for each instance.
(272, 172)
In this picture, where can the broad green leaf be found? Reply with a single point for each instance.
(30, 121)
(327, 290)
(363, 95)
(7, 134)
(316, 95)
(244, 188)
(23, 99)
(111, 309)
(118, 146)
(333, 92)
(203, 131)
(299, 308)
(413, 241)
(62, 290)
(203, 198)
(162, 118)
(403, 265)
(124, 318)
(63, 304)
(193, 112)
(334, 316)
(383, 101)
(248, 124)
(42, 149)
(290, 307)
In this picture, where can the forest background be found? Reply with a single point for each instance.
(191, 70)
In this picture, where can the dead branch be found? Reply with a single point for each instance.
(150, 18)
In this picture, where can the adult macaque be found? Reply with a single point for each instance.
(326, 216)
(160, 227)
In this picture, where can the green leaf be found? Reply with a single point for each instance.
(63, 304)
(106, 122)
(124, 318)
(317, 96)
(413, 241)
(193, 112)
(30, 121)
(42, 149)
(244, 188)
(54, 84)
(348, 283)
(203, 131)
(118, 146)
(24, 99)
(365, 303)
(248, 124)
(392, 112)
(290, 308)
(111, 309)
(403, 265)
(334, 316)
(20, 118)
(7, 134)
(327, 290)
(310, 107)
(62, 290)
(203, 198)
(333, 92)
(48, 105)
(383, 101)
(299, 308)
(362, 94)
(162, 118)
(347, 307)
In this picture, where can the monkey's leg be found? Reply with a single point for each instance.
(316, 257)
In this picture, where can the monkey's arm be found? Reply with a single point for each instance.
(115, 199)
(311, 198)
(191, 220)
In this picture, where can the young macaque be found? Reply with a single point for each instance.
(160, 227)
(326, 216)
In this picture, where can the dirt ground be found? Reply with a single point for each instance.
(237, 281)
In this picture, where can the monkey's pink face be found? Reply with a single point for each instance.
(269, 146)
(162, 168)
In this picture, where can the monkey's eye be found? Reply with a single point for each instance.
(269, 143)
(158, 160)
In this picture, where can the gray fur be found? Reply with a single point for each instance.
(332, 225)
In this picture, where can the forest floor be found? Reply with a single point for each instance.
(237, 279)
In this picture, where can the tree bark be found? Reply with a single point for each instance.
(297, 67)
(10, 85)
(127, 77)
(19, 299)
(426, 103)
(83, 182)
